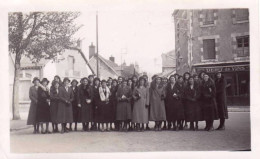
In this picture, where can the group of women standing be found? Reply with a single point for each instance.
(128, 104)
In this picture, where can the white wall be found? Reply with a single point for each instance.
(49, 71)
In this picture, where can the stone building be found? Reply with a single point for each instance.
(215, 40)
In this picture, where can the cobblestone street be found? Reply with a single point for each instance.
(235, 137)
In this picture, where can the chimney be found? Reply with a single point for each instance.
(111, 58)
(91, 50)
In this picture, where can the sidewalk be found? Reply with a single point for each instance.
(21, 124)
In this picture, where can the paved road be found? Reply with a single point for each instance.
(235, 137)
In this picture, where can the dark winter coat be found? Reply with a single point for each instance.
(221, 97)
(75, 109)
(173, 103)
(209, 108)
(33, 95)
(193, 110)
(86, 108)
(43, 109)
(65, 114)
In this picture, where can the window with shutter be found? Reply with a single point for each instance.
(242, 46)
(209, 49)
(242, 14)
(208, 17)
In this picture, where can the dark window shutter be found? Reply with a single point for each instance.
(209, 49)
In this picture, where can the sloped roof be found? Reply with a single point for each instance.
(109, 63)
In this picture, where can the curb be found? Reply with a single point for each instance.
(21, 128)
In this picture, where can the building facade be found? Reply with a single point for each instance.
(69, 64)
(215, 40)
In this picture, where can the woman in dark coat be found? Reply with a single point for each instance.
(113, 100)
(192, 95)
(104, 107)
(174, 105)
(180, 85)
(198, 83)
(157, 104)
(75, 108)
(65, 114)
(85, 101)
(33, 95)
(165, 83)
(210, 112)
(52, 89)
(130, 84)
(186, 77)
(220, 84)
(95, 87)
(147, 85)
(124, 112)
(43, 108)
(54, 96)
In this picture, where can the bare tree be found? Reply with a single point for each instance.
(38, 35)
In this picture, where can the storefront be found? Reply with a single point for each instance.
(237, 75)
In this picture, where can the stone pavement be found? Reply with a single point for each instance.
(21, 124)
(235, 137)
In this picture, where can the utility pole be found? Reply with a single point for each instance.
(97, 44)
(190, 55)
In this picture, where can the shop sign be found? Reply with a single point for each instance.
(234, 68)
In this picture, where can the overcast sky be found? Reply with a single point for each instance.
(144, 32)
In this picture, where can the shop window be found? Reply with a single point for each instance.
(242, 46)
(209, 51)
(208, 17)
(243, 82)
(242, 14)
(231, 85)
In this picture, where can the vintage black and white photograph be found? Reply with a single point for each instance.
(129, 77)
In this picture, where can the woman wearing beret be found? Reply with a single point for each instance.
(54, 97)
(75, 109)
(113, 101)
(131, 85)
(220, 84)
(141, 102)
(104, 106)
(165, 83)
(85, 101)
(43, 109)
(65, 114)
(180, 85)
(33, 95)
(198, 84)
(174, 105)
(147, 85)
(95, 87)
(157, 105)
(208, 92)
(186, 77)
(192, 95)
(123, 113)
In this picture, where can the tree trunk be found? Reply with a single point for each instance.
(15, 106)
